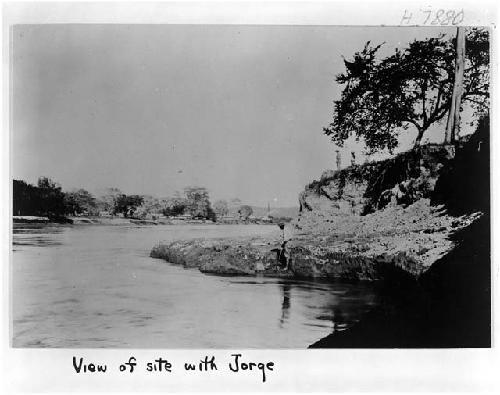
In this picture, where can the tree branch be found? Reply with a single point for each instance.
(424, 113)
(478, 93)
(439, 112)
(412, 121)
(474, 101)
(438, 100)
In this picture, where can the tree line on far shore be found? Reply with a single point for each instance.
(47, 199)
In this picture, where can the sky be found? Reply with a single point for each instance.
(151, 109)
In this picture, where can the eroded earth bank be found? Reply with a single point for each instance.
(417, 223)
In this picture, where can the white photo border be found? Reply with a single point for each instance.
(422, 370)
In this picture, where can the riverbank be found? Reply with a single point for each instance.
(228, 256)
(31, 219)
(417, 223)
(393, 243)
(449, 306)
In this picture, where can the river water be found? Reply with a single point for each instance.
(91, 286)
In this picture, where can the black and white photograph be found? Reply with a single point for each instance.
(216, 186)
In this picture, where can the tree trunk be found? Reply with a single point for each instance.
(456, 99)
(419, 137)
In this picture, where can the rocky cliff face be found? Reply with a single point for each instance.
(380, 211)
(380, 220)
(362, 189)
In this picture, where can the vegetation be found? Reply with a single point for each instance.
(107, 201)
(149, 205)
(221, 208)
(127, 205)
(245, 212)
(48, 200)
(175, 206)
(411, 171)
(45, 199)
(79, 202)
(198, 203)
(464, 185)
(410, 88)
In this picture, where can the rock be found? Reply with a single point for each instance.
(367, 222)
(220, 256)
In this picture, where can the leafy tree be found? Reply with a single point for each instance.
(50, 198)
(411, 88)
(245, 211)
(127, 204)
(221, 208)
(174, 206)
(198, 203)
(80, 201)
(45, 199)
(150, 205)
(107, 200)
(477, 76)
(25, 198)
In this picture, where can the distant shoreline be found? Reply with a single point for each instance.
(31, 219)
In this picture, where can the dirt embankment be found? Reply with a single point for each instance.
(449, 303)
(367, 222)
(419, 221)
(448, 306)
(377, 246)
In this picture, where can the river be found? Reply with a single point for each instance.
(90, 286)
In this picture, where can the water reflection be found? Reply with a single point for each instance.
(285, 304)
(38, 228)
(39, 235)
(338, 319)
(35, 241)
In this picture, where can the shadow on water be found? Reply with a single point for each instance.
(338, 320)
(449, 306)
(341, 303)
